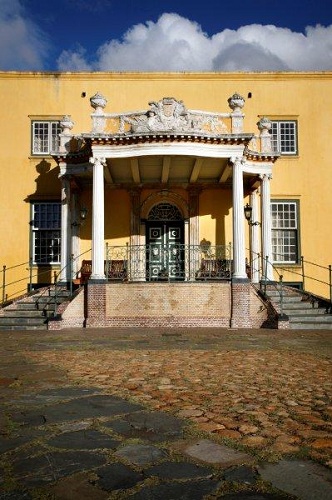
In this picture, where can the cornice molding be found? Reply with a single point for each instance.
(171, 148)
(99, 76)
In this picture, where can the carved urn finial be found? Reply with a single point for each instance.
(66, 124)
(264, 125)
(98, 102)
(236, 102)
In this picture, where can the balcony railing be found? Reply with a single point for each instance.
(172, 262)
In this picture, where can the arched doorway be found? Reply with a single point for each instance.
(165, 243)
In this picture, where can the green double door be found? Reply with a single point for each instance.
(165, 251)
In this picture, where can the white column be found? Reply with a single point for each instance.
(98, 243)
(75, 231)
(134, 264)
(65, 231)
(239, 263)
(266, 227)
(192, 263)
(255, 241)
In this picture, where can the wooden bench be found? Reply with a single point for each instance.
(213, 269)
(114, 270)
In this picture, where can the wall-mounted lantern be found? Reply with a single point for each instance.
(83, 216)
(248, 215)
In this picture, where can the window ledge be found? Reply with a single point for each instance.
(288, 157)
(39, 156)
(285, 266)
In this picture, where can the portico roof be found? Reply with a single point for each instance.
(167, 144)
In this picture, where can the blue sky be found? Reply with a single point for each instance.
(173, 35)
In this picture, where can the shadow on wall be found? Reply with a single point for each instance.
(47, 182)
(48, 188)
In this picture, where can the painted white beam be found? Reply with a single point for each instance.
(166, 169)
(226, 173)
(107, 174)
(134, 166)
(196, 169)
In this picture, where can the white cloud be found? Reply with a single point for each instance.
(23, 45)
(73, 60)
(174, 43)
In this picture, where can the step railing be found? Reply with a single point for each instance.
(11, 289)
(59, 285)
(23, 286)
(316, 276)
(326, 270)
(279, 283)
(197, 262)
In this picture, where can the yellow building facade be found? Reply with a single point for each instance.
(135, 185)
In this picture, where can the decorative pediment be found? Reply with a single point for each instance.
(171, 115)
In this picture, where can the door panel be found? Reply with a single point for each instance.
(155, 244)
(165, 254)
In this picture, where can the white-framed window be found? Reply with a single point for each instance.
(46, 232)
(284, 137)
(285, 233)
(45, 137)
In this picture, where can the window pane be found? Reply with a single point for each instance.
(47, 247)
(283, 137)
(284, 215)
(287, 137)
(274, 138)
(40, 137)
(45, 137)
(284, 232)
(284, 246)
(55, 139)
(47, 216)
(46, 232)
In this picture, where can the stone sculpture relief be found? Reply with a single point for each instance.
(170, 115)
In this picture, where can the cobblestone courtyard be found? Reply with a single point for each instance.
(267, 390)
(266, 393)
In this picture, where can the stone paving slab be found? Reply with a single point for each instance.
(119, 415)
(153, 426)
(253, 496)
(15, 495)
(116, 476)
(86, 439)
(214, 453)
(141, 454)
(77, 486)
(86, 407)
(179, 470)
(195, 490)
(305, 480)
(50, 467)
(242, 475)
(53, 396)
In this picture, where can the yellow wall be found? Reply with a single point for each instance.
(306, 97)
(215, 208)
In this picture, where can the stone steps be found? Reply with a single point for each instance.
(302, 313)
(23, 324)
(301, 325)
(33, 312)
